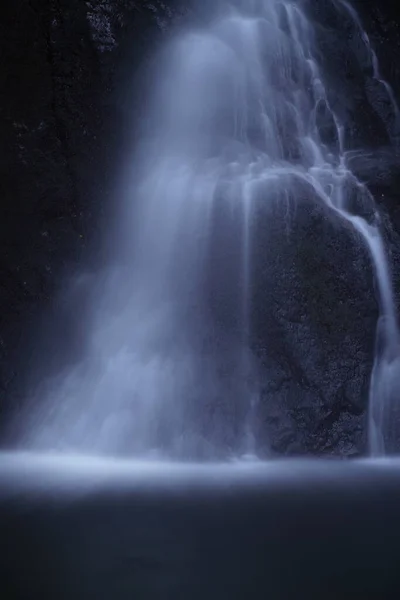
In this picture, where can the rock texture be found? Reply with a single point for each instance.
(314, 329)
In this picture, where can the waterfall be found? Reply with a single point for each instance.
(234, 122)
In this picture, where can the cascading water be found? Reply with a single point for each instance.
(234, 123)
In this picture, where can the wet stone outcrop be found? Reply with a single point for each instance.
(314, 328)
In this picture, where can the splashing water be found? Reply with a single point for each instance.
(234, 122)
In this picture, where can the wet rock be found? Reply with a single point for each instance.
(314, 326)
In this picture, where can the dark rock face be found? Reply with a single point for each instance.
(64, 105)
(314, 328)
(42, 221)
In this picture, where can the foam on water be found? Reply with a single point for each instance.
(76, 474)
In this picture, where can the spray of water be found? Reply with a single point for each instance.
(234, 123)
